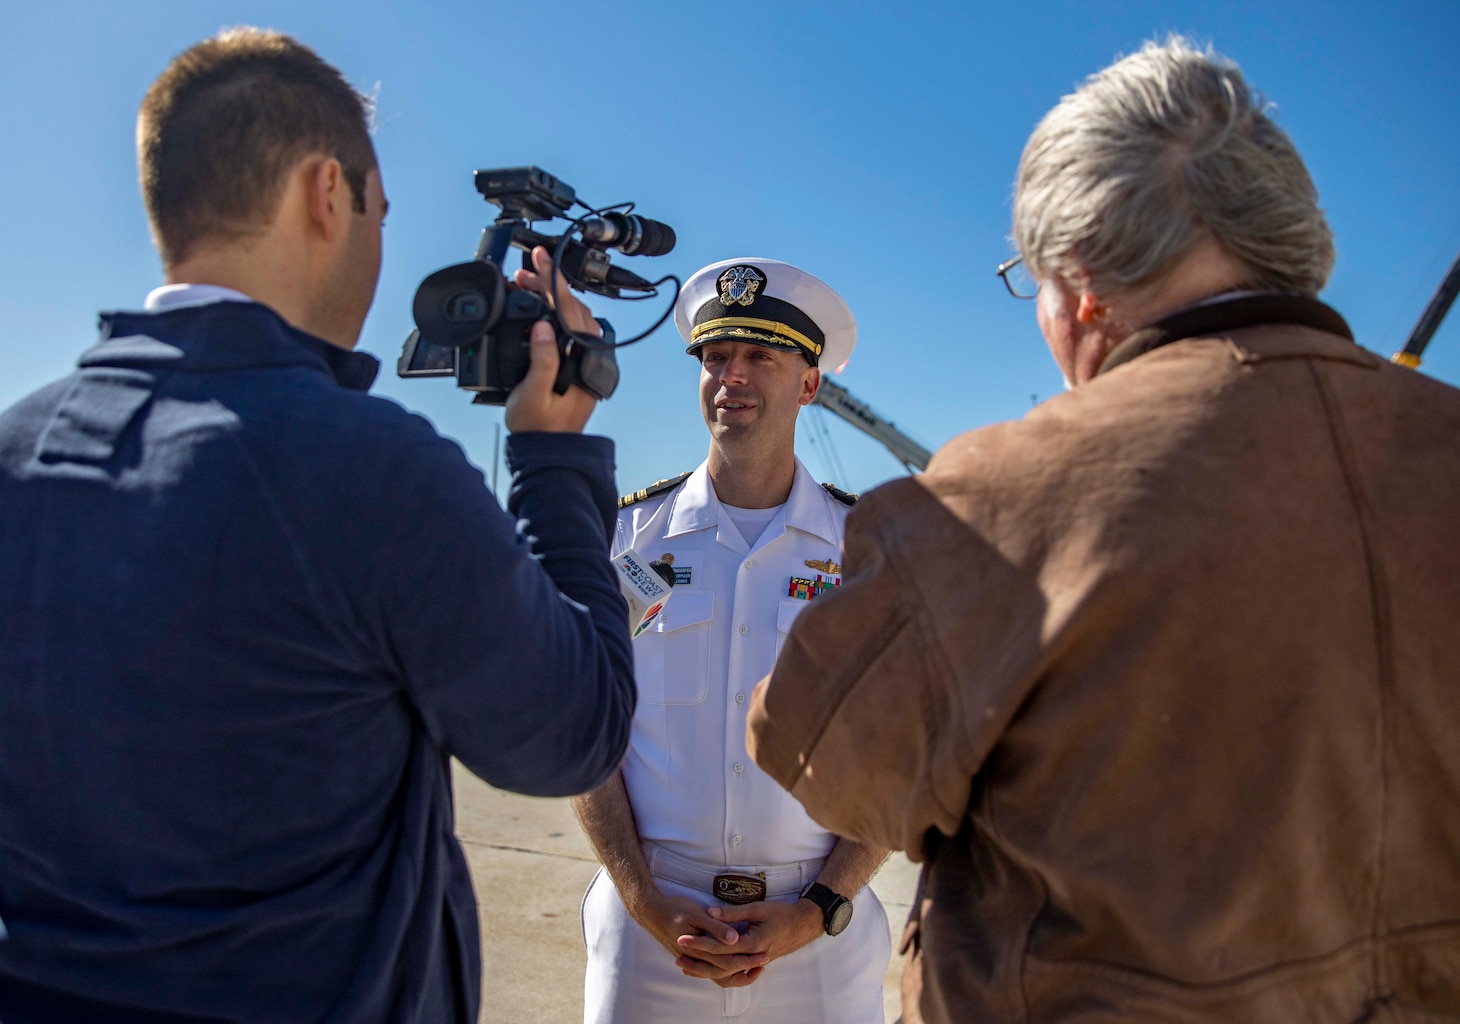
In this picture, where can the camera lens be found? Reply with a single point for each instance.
(466, 307)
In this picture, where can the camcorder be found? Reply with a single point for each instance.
(473, 323)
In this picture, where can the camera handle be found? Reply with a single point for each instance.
(497, 239)
(568, 376)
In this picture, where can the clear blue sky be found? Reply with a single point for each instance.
(873, 144)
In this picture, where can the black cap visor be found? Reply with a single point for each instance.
(775, 324)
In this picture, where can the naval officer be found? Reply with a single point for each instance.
(720, 899)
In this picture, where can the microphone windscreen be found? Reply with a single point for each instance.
(664, 570)
(656, 238)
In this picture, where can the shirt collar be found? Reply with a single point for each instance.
(173, 296)
(1228, 312)
(222, 334)
(697, 508)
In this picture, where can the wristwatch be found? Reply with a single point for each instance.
(836, 909)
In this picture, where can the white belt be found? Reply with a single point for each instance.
(780, 879)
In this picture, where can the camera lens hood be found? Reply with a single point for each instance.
(456, 305)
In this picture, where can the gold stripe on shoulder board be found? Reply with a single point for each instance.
(657, 487)
(841, 495)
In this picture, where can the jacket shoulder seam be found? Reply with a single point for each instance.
(907, 582)
(1382, 623)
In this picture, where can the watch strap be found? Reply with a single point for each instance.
(829, 900)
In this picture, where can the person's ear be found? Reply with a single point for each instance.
(328, 197)
(1090, 308)
(810, 384)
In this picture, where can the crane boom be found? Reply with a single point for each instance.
(1429, 320)
(860, 415)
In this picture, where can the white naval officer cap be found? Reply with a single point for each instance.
(766, 302)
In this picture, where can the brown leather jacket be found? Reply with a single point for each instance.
(1163, 683)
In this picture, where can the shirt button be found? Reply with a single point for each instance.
(735, 840)
(750, 563)
(740, 698)
(744, 629)
(739, 768)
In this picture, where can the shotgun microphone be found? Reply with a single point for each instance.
(630, 234)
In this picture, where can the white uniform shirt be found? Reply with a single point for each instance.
(693, 788)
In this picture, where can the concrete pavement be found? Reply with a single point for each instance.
(531, 864)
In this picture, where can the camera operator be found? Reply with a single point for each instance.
(248, 613)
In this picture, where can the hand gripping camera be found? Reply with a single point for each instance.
(473, 323)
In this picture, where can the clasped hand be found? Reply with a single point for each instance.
(707, 944)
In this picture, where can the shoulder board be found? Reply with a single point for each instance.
(841, 495)
(657, 487)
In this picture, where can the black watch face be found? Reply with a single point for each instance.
(840, 918)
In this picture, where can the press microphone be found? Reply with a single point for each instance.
(646, 585)
(630, 234)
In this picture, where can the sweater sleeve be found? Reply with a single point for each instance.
(509, 629)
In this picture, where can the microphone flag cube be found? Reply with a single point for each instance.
(643, 588)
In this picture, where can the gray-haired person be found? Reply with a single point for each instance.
(1160, 681)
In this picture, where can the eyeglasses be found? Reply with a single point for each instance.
(1018, 279)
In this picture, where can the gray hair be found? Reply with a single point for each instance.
(1151, 156)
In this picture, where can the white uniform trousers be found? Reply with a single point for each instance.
(632, 979)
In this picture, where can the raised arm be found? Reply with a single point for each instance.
(509, 631)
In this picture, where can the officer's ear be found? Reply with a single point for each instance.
(810, 384)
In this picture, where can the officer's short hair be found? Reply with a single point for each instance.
(1158, 151)
(224, 123)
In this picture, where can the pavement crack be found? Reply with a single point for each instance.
(524, 849)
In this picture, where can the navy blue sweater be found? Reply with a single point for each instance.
(247, 613)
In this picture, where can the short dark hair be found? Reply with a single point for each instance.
(225, 122)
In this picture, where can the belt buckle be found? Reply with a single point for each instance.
(732, 888)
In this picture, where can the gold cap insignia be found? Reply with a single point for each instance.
(825, 565)
(739, 285)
